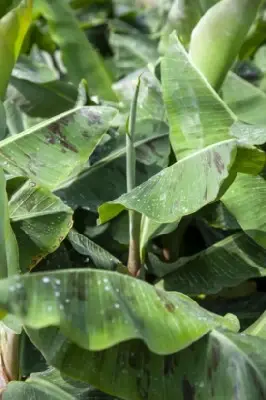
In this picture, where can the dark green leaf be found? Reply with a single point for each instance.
(81, 59)
(226, 263)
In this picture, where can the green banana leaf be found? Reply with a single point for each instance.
(9, 253)
(227, 263)
(52, 151)
(81, 59)
(13, 28)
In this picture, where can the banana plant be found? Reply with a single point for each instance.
(132, 183)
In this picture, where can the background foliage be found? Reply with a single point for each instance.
(79, 80)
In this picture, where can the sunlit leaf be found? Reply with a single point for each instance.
(167, 196)
(66, 300)
(68, 139)
(197, 116)
(13, 28)
(219, 35)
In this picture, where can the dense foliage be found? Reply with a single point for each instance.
(132, 199)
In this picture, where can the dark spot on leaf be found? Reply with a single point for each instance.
(63, 150)
(206, 193)
(170, 307)
(188, 390)
(57, 135)
(94, 118)
(86, 135)
(51, 139)
(54, 127)
(218, 162)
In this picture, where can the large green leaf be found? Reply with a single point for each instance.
(197, 116)
(225, 264)
(54, 150)
(126, 309)
(13, 28)
(245, 200)
(9, 259)
(247, 101)
(179, 190)
(219, 35)
(81, 59)
(40, 220)
(225, 366)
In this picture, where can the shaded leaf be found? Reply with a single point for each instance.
(225, 264)
(99, 256)
(68, 138)
(81, 59)
(9, 256)
(32, 71)
(132, 49)
(247, 101)
(138, 374)
(182, 17)
(40, 221)
(2, 121)
(43, 100)
(166, 197)
(245, 200)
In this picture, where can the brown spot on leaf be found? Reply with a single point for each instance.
(54, 127)
(188, 390)
(56, 135)
(170, 307)
(218, 162)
